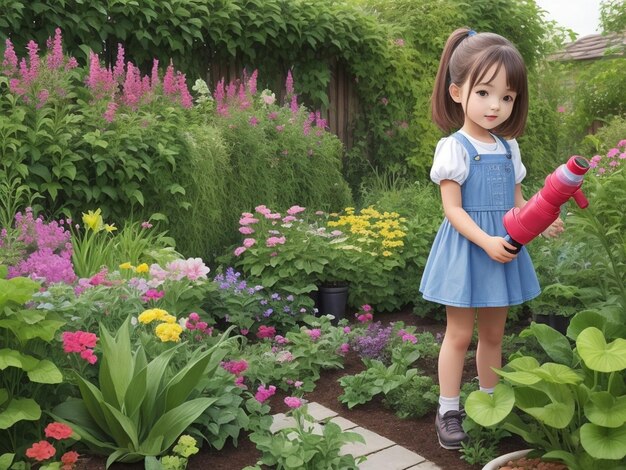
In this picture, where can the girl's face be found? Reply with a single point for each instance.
(486, 105)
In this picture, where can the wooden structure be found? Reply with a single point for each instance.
(592, 47)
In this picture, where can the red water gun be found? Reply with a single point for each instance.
(523, 225)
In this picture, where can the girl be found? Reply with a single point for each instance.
(481, 88)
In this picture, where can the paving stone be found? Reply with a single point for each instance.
(391, 458)
(281, 421)
(343, 423)
(426, 465)
(320, 412)
(373, 443)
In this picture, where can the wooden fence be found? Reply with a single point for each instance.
(343, 103)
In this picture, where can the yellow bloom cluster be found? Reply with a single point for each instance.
(93, 221)
(381, 232)
(142, 268)
(168, 329)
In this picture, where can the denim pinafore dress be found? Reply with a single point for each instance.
(460, 273)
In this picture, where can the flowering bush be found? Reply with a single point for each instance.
(612, 161)
(45, 250)
(253, 308)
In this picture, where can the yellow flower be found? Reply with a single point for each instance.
(126, 265)
(387, 253)
(93, 220)
(169, 332)
(168, 318)
(148, 316)
(143, 268)
(110, 228)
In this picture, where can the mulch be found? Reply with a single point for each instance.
(417, 435)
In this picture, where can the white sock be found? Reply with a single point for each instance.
(487, 390)
(448, 404)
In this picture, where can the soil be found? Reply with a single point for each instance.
(417, 435)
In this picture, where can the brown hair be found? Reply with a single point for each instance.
(466, 59)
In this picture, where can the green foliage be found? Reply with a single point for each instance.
(299, 447)
(415, 398)
(26, 370)
(573, 406)
(483, 443)
(141, 407)
(613, 16)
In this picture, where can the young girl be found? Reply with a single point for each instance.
(481, 88)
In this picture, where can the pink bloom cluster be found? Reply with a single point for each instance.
(43, 450)
(97, 279)
(193, 323)
(263, 394)
(125, 85)
(80, 342)
(314, 334)
(266, 332)
(152, 294)
(407, 336)
(365, 313)
(192, 269)
(293, 402)
(47, 249)
(612, 161)
(33, 79)
(235, 367)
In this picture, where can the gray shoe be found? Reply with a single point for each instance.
(450, 430)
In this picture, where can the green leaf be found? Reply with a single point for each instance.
(597, 354)
(558, 374)
(45, 372)
(603, 443)
(19, 409)
(554, 343)
(5, 461)
(489, 410)
(606, 410)
(551, 404)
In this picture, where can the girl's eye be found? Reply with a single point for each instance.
(508, 98)
(482, 93)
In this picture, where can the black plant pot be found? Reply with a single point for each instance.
(333, 300)
(558, 322)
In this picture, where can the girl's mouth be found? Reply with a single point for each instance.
(491, 118)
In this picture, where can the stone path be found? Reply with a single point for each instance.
(381, 453)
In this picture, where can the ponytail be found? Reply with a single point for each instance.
(445, 112)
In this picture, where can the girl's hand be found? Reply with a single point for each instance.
(554, 230)
(495, 247)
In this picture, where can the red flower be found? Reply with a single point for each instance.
(69, 458)
(41, 450)
(58, 431)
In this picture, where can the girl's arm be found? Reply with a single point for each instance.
(463, 223)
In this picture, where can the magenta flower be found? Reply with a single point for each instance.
(314, 334)
(248, 242)
(266, 332)
(273, 241)
(263, 393)
(239, 250)
(293, 402)
(235, 367)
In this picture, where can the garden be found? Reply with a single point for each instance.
(195, 237)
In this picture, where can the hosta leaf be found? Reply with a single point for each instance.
(19, 409)
(597, 354)
(488, 410)
(606, 410)
(603, 443)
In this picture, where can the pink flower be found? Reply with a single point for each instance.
(621, 143)
(244, 331)
(70, 458)
(288, 219)
(41, 450)
(314, 334)
(273, 241)
(253, 121)
(384, 101)
(346, 329)
(344, 348)
(293, 210)
(611, 153)
(366, 308)
(298, 383)
(248, 242)
(263, 393)
(246, 230)
(561, 109)
(235, 367)
(58, 431)
(293, 402)
(239, 250)
(193, 316)
(239, 382)
(364, 317)
(194, 269)
(248, 221)
(266, 332)
(399, 42)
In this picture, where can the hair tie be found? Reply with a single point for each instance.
(471, 32)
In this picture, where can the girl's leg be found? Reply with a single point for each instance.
(459, 330)
(491, 322)
(449, 419)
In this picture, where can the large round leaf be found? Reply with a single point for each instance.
(554, 343)
(488, 410)
(606, 410)
(597, 354)
(551, 404)
(603, 443)
(558, 374)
